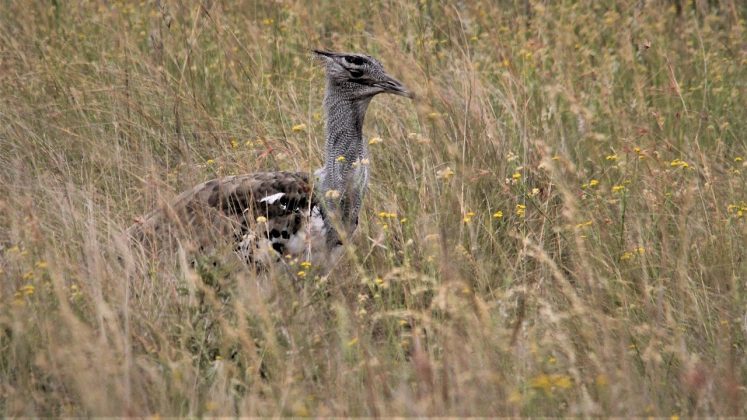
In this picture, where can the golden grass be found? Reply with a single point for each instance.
(556, 227)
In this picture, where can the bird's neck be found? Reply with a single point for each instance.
(344, 134)
(345, 173)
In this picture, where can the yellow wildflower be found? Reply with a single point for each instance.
(521, 210)
(593, 183)
(340, 158)
(468, 217)
(306, 265)
(611, 158)
(562, 381)
(584, 224)
(541, 382)
(602, 380)
(677, 163)
(514, 397)
(445, 174)
(261, 219)
(498, 215)
(737, 209)
(301, 274)
(298, 128)
(549, 382)
(516, 176)
(210, 161)
(618, 188)
(28, 289)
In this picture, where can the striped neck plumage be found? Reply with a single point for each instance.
(344, 177)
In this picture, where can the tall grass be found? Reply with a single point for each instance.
(557, 226)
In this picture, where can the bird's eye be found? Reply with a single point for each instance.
(356, 73)
(358, 61)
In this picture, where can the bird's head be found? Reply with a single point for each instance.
(358, 75)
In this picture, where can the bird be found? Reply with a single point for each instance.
(271, 215)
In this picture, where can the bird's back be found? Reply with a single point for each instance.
(265, 215)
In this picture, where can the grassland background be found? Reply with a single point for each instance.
(556, 226)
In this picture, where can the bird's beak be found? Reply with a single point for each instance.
(322, 53)
(394, 86)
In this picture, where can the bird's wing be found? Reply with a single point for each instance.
(228, 208)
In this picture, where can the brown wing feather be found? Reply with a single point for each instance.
(225, 208)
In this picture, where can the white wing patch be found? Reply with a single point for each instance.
(271, 199)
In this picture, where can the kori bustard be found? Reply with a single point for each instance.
(269, 215)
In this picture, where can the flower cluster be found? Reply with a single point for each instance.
(678, 163)
(737, 209)
(629, 255)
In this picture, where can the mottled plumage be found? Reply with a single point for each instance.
(236, 208)
(271, 214)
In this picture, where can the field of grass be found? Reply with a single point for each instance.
(556, 226)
